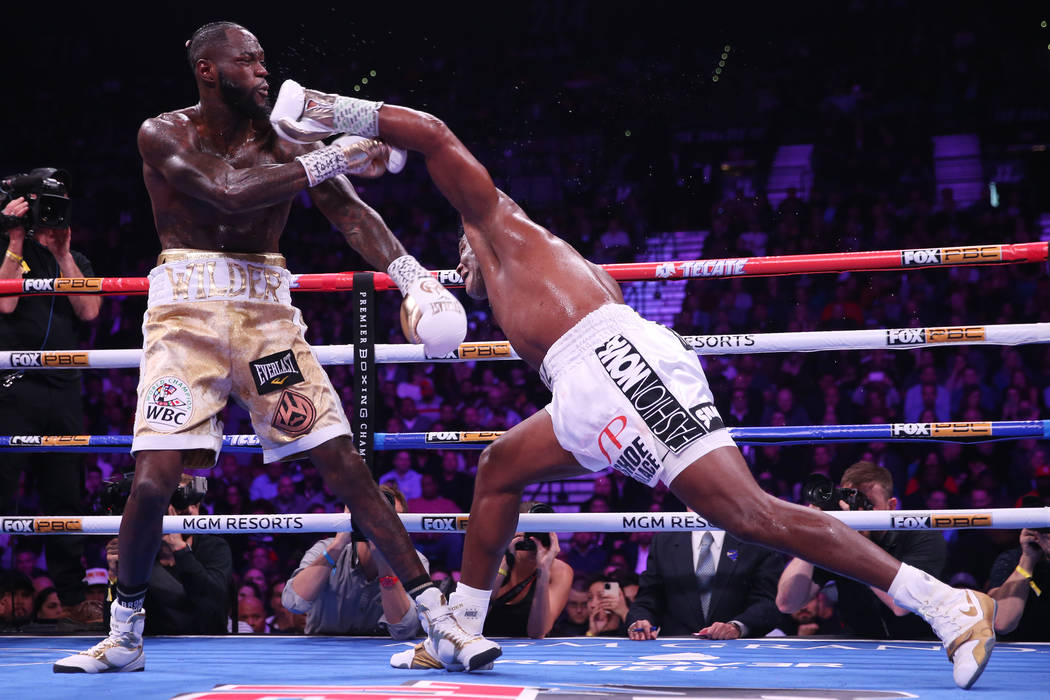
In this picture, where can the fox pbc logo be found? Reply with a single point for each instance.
(80, 284)
(910, 522)
(972, 254)
(449, 523)
(943, 522)
(480, 436)
(481, 351)
(919, 336)
(18, 525)
(910, 430)
(449, 277)
(961, 429)
(275, 372)
(38, 285)
(58, 525)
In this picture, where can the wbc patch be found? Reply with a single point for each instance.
(295, 414)
(275, 372)
(167, 404)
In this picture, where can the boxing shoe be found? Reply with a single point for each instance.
(450, 643)
(119, 652)
(421, 656)
(964, 623)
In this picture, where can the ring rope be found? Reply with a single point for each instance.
(724, 344)
(964, 432)
(904, 259)
(991, 518)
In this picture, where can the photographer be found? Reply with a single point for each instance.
(35, 238)
(532, 585)
(865, 611)
(1020, 580)
(345, 586)
(189, 587)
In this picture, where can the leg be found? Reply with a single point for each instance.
(525, 454)
(157, 476)
(348, 477)
(720, 486)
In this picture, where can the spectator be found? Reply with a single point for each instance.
(531, 587)
(869, 612)
(573, 621)
(264, 486)
(283, 620)
(404, 476)
(46, 606)
(442, 549)
(1017, 577)
(287, 499)
(584, 554)
(706, 583)
(250, 611)
(345, 586)
(606, 608)
(453, 483)
(16, 599)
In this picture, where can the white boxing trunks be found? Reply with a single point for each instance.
(629, 394)
(219, 326)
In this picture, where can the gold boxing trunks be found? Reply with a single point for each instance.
(221, 325)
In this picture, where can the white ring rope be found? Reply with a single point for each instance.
(725, 344)
(990, 518)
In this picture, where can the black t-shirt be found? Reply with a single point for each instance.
(862, 613)
(1035, 620)
(42, 322)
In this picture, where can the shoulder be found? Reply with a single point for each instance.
(166, 130)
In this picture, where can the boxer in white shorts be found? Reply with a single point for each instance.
(623, 387)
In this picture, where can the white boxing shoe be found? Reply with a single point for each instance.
(448, 642)
(965, 626)
(121, 651)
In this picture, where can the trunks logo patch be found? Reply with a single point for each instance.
(167, 404)
(670, 422)
(275, 372)
(295, 413)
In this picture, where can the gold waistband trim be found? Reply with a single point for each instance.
(181, 254)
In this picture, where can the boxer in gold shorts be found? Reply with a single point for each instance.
(220, 323)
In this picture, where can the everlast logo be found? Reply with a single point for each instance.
(58, 525)
(910, 429)
(954, 521)
(445, 524)
(275, 372)
(669, 421)
(25, 359)
(18, 525)
(38, 285)
(920, 256)
(910, 522)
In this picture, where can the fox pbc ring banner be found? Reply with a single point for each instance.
(993, 518)
(724, 344)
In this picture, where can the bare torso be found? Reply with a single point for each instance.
(186, 221)
(538, 285)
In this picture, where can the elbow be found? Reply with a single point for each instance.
(785, 604)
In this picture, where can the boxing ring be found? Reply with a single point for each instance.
(242, 666)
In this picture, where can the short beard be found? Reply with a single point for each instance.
(242, 100)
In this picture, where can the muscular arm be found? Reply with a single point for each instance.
(548, 600)
(796, 586)
(170, 148)
(362, 227)
(455, 171)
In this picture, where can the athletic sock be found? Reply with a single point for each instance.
(419, 585)
(471, 606)
(131, 596)
(915, 590)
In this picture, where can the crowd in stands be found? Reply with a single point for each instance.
(873, 189)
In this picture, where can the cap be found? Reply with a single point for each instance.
(96, 577)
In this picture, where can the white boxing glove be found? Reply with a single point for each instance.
(395, 160)
(429, 313)
(305, 116)
(347, 155)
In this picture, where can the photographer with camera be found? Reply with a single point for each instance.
(532, 585)
(35, 238)
(344, 585)
(191, 580)
(1020, 579)
(865, 611)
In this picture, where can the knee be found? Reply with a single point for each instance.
(754, 518)
(153, 491)
(490, 475)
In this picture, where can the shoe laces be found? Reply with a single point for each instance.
(124, 640)
(452, 630)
